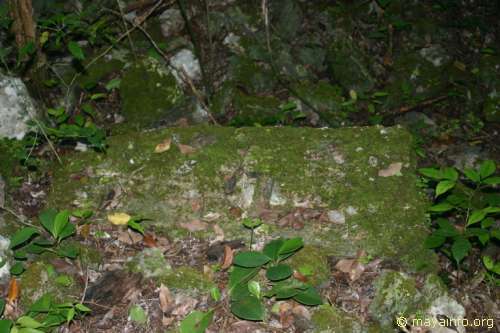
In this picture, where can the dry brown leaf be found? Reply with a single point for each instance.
(163, 146)
(351, 267)
(185, 149)
(13, 292)
(167, 321)
(235, 212)
(149, 240)
(194, 225)
(301, 311)
(228, 257)
(356, 271)
(84, 231)
(195, 205)
(299, 276)
(130, 238)
(219, 233)
(345, 265)
(183, 305)
(394, 169)
(166, 299)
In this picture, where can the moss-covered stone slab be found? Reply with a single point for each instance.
(353, 188)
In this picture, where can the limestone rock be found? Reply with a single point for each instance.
(16, 108)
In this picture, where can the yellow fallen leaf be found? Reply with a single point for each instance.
(119, 218)
(163, 146)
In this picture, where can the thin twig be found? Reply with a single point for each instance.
(86, 285)
(21, 218)
(125, 25)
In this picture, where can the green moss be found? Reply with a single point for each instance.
(99, 70)
(491, 109)
(187, 279)
(327, 318)
(312, 263)
(330, 169)
(250, 110)
(150, 263)
(148, 92)
(325, 98)
(349, 67)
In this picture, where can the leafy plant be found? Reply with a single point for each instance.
(463, 211)
(30, 240)
(196, 322)
(79, 127)
(246, 292)
(251, 224)
(43, 316)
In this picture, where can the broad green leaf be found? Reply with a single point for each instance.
(250, 259)
(5, 325)
(433, 241)
(64, 280)
(460, 248)
(251, 223)
(495, 233)
(27, 321)
(492, 181)
(472, 175)
(279, 272)
(47, 218)
(291, 245)
(241, 275)
(481, 234)
(76, 50)
(215, 294)
(35, 248)
(82, 308)
(444, 186)
(487, 222)
(22, 236)
(445, 228)
(441, 207)
(449, 174)
(135, 225)
(68, 230)
(487, 168)
(254, 288)
(286, 289)
(17, 268)
(70, 315)
(492, 210)
(249, 308)
(60, 222)
(309, 297)
(196, 322)
(272, 248)
(69, 251)
(43, 304)
(488, 262)
(476, 216)
(114, 83)
(431, 173)
(137, 314)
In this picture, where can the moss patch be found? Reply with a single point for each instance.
(148, 92)
(330, 170)
(327, 318)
